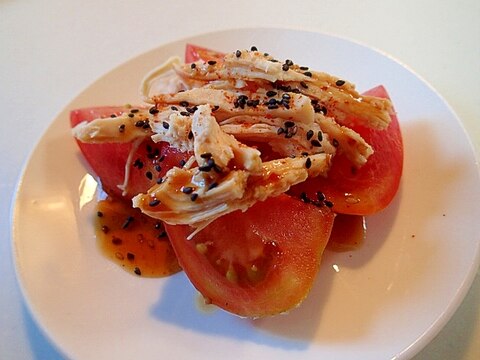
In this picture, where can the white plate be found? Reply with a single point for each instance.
(385, 300)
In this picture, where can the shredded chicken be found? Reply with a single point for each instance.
(219, 111)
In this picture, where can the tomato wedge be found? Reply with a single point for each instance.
(150, 160)
(370, 188)
(257, 263)
(195, 53)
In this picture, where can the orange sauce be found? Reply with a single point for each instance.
(348, 233)
(133, 240)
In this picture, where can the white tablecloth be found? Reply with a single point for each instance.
(50, 50)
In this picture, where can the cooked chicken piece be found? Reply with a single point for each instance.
(216, 149)
(338, 96)
(165, 80)
(181, 199)
(346, 140)
(121, 129)
(349, 107)
(175, 127)
(228, 103)
(286, 138)
(250, 65)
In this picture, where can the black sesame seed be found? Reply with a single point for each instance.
(335, 142)
(130, 256)
(303, 68)
(303, 84)
(187, 189)
(194, 196)
(271, 93)
(320, 196)
(315, 143)
(205, 168)
(154, 203)
(206, 155)
(308, 163)
(162, 234)
(190, 135)
(215, 108)
(319, 136)
(131, 115)
(121, 128)
(212, 62)
(113, 116)
(153, 110)
(182, 163)
(272, 106)
(134, 111)
(139, 123)
(271, 102)
(285, 67)
(99, 213)
(289, 62)
(307, 73)
(212, 186)
(138, 164)
(174, 108)
(238, 53)
(304, 153)
(158, 168)
(304, 197)
(137, 271)
(116, 241)
(184, 103)
(286, 96)
(280, 131)
(253, 48)
(165, 125)
(127, 222)
(184, 113)
(289, 124)
(340, 82)
(149, 175)
(159, 180)
(328, 203)
(193, 66)
(309, 134)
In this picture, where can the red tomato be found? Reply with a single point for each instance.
(150, 161)
(370, 188)
(194, 53)
(261, 262)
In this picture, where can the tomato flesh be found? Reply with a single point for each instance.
(150, 160)
(194, 53)
(257, 263)
(369, 189)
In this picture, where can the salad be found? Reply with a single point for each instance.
(244, 161)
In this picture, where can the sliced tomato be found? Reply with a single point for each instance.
(257, 263)
(150, 161)
(365, 190)
(195, 53)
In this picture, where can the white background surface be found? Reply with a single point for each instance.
(50, 50)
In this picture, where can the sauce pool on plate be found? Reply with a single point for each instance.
(136, 242)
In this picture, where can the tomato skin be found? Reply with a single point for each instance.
(108, 160)
(194, 53)
(372, 187)
(287, 236)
